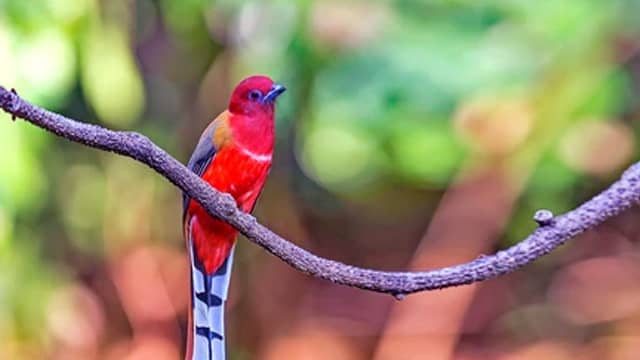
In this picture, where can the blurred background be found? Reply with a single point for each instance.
(415, 134)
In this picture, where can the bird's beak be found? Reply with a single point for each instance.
(276, 90)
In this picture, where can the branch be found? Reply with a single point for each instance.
(552, 232)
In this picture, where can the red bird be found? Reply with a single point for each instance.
(234, 156)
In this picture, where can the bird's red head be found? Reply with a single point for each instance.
(252, 108)
(255, 95)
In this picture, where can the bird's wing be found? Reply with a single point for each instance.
(210, 141)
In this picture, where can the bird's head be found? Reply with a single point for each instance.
(255, 95)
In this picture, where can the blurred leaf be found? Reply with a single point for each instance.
(83, 199)
(26, 15)
(340, 157)
(427, 154)
(22, 184)
(46, 64)
(8, 61)
(185, 15)
(110, 77)
(552, 175)
(610, 96)
(565, 24)
(24, 289)
(69, 11)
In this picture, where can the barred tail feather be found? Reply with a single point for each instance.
(208, 295)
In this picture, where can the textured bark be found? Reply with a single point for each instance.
(553, 231)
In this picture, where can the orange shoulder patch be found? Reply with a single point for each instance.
(222, 131)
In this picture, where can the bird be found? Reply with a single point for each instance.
(233, 156)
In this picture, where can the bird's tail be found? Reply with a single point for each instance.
(206, 319)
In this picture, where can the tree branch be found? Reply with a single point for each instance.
(552, 232)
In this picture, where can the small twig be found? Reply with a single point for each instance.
(553, 231)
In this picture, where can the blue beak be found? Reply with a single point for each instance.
(275, 91)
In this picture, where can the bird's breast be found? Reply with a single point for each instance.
(240, 173)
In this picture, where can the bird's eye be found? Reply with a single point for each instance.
(255, 95)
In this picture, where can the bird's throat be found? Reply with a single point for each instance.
(253, 133)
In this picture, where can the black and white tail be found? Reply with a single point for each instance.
(208, 295)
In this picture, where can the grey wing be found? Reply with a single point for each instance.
(201, 158)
